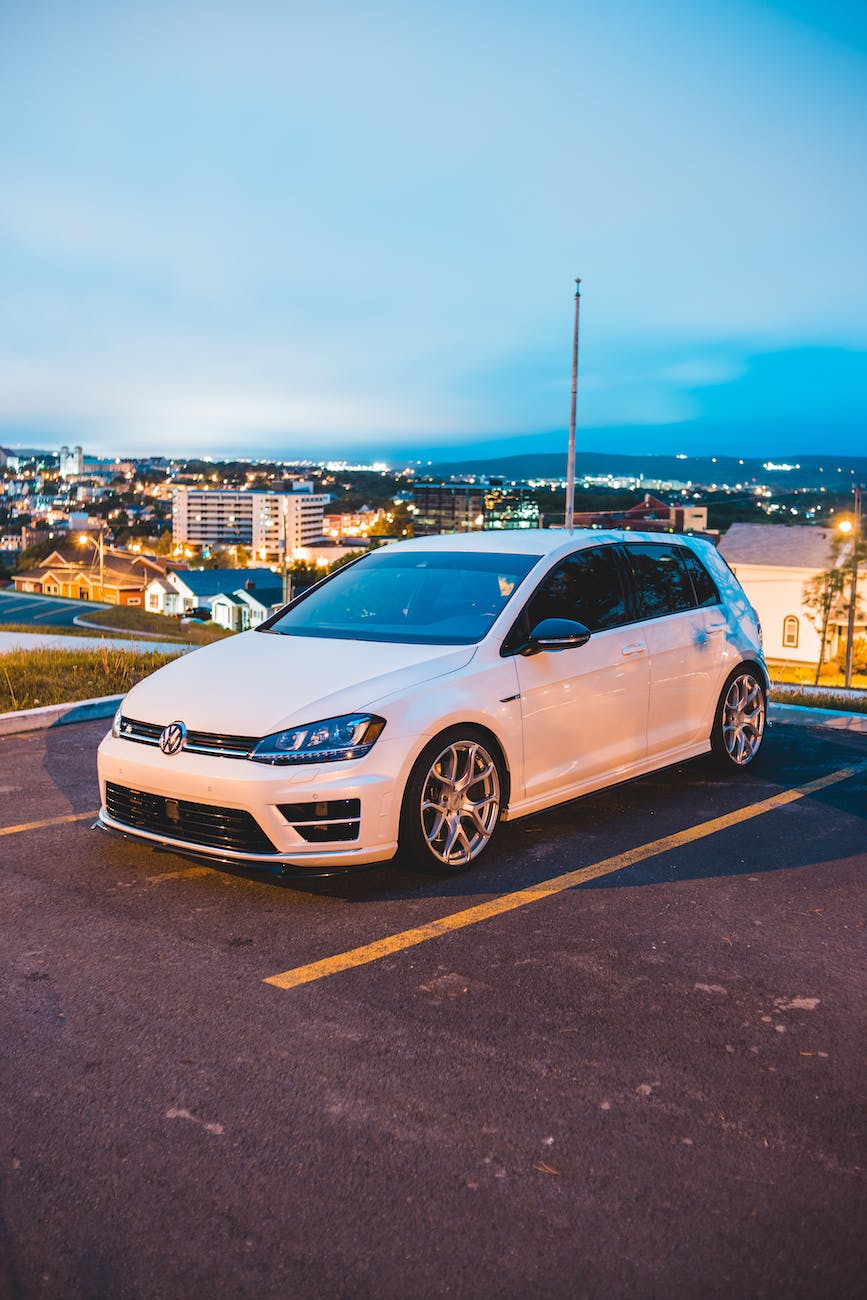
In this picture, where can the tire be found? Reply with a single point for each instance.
(452, 801)
(740, 720)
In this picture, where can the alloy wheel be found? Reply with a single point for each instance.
(743, 719)
(460, 802)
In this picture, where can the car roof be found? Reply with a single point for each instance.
(532, 541)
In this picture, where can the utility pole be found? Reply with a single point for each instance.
(287, 581)
(570, 459)
(853, 588)
(101, 564)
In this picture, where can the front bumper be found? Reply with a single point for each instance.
(259, 789)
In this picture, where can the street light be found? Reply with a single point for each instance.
(84, 538)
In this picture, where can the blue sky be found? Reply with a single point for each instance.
(353, 228)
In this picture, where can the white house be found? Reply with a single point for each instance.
(185, 589)
(246, 607)
(773, 562)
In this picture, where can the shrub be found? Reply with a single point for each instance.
(859, 655)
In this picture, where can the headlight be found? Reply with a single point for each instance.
(330, 741)
(116, 721)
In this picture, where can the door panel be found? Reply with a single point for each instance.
(584, 710)
(684, 643)
(684, 663)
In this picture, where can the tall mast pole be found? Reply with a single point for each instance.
(570, 459)
(853, 589)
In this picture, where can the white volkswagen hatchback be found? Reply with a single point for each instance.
(418, 697)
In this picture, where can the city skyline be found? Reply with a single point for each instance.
(353, 232)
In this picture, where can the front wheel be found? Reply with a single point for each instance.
(739, 725)
(452, 801)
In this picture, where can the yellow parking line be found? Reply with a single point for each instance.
(370, 952)
(47, 821)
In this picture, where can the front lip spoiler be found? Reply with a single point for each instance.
(282, 870)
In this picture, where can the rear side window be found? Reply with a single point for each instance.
(585, 587)
(662, 582)
(705, 587)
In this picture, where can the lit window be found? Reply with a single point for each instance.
(790, 631)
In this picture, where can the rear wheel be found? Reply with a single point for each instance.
(741, 714)
(452, 801)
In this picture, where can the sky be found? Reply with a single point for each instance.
(353, 229)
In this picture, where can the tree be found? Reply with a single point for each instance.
(33, 555)
(821, 594)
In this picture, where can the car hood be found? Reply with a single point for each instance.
(258, 683)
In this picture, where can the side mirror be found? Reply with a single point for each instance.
(555, 634)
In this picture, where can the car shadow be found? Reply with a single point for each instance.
(587, 831)
(603, 825)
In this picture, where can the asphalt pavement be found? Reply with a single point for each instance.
(22, 607)
(647, 1083)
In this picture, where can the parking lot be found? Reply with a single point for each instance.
(624, 1056)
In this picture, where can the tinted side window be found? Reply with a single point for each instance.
(586, 587)
(662, 583)
(705, 587)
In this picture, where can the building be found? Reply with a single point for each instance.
(113, 578)
(510, 507)
(264, 522)
(71, 462)
(465, 507)
(325, 553)
(247, 606)
(181, 590)
(773, 563)
(649, 515)
(8, 459)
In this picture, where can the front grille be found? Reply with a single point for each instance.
(324, 822)
(195, 823)
(198, 742)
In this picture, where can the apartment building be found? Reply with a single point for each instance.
(264, 522)
(466, 507)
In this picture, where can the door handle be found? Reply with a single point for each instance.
(635, 649)
(711, 628)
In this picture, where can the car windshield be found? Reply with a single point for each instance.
(419, 597)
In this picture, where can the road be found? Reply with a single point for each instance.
(21, 607)
(648, 1084)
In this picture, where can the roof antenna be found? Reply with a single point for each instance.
(570, 459)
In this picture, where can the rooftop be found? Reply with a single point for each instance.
(787, 546)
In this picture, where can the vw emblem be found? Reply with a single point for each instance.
(173, 739)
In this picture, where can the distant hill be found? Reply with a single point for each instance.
(837, 474)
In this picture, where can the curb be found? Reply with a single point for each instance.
(799, 715)
(58, 715)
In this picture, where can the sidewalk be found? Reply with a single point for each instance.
(37, 640)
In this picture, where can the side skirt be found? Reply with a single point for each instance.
(524, 807)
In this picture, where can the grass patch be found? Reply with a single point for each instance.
(832, 675)
(813, 697)
(130, 618)
(30, 678)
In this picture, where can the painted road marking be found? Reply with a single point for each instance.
(47, 821)
(6, 606)
(370, 952)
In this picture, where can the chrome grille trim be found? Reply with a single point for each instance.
(212, 743)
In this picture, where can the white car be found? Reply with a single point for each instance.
(418, 697)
